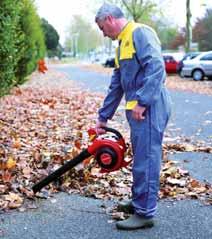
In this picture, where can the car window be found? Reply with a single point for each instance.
(193, 56)
(168, 58)
(190, 56)
(206, 57)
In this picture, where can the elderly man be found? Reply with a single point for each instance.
(139, 75)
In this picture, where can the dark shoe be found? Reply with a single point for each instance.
(125, 206)
(135, 222)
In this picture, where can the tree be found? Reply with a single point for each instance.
(202, 31)
(178, 41)
(167, 35)
(81, 37)
(139, 9)
(188, 26)
(51, 38)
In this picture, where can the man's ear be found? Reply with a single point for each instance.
(110, 18)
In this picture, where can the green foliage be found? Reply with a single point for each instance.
(21, 42)
(9, 40)
(32, 46)
(202, 32)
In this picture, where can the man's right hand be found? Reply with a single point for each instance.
(99, 126)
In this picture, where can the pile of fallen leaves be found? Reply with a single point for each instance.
(177, 184)
(43, 124)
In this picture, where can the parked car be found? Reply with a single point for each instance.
(110, 62)
(187, 56)
(198, 67)
(171, 62)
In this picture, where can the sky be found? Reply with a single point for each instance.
(59, 12)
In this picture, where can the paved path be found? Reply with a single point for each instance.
(76, 217)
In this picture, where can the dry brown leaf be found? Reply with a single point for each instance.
(13, 197)
(3, 189)
(6, 176)
(118, 216)
(194, 183)
(11, 163)
(189, 147)
(170, 171)
(27, 172)
(77, 144)
(17, 144)
(175, 181)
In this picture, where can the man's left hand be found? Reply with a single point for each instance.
(138, 112)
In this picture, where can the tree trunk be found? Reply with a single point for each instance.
(188, 26)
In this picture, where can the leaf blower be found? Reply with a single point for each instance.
(108, 152)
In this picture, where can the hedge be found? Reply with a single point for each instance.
(9, 39)
(21, 42)
(33, 43)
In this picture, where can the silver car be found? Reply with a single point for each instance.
(199, 67)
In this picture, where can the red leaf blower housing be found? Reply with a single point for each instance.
(108, 152)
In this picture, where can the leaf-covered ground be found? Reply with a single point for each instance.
(44, 123)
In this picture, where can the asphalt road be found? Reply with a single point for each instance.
(77, 217)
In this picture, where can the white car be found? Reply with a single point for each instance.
(199, 67)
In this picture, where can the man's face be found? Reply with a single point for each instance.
(107, 26)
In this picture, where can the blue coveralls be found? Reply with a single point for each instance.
(140, 76)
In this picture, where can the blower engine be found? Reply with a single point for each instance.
(107, 150)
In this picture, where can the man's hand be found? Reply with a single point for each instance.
(99, 126)
(138, 112)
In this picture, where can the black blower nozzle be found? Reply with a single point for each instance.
(60, 171)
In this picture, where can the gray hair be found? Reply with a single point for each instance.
(108, 10)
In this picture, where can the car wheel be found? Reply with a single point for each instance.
(198, 75)
(181, 74)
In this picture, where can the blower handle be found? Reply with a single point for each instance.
(116, 132)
